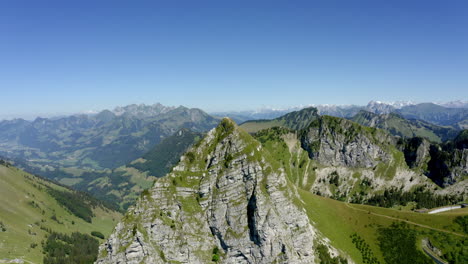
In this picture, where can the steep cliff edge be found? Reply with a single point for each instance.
(227, 200)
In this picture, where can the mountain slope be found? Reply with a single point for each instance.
(295, 120)
(33, 208)
(338, 158)
(158, 161)
(226, 201)
(399, 126)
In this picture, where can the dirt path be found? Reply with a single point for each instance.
(406, 221)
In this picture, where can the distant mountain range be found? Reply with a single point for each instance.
(453, 113)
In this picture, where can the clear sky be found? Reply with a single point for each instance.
(72, 56)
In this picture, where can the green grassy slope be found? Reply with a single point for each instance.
(338, 221)
(27, 209)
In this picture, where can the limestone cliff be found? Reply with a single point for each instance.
(445, 164)
(335, 141)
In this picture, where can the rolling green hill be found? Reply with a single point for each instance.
(33, 209)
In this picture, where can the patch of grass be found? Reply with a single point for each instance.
(215, 257)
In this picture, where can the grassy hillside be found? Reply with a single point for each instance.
(32, 208)
(341, 222)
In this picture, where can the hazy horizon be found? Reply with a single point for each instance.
(31, 117)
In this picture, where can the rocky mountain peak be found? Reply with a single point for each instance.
(225, 200)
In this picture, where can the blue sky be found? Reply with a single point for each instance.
(72, 56)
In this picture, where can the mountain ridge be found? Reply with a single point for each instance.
(224, 165)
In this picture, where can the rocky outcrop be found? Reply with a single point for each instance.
(453, 169)
(227, 200)
(351, 184)
(338, 142)
(446, 164)
(417, 152)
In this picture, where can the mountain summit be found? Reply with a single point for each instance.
(227, 200)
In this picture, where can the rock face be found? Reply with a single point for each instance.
(226, 199)
(338, 142)
(445, 164)
(459, 168)
(417, 152)
(352, 184)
